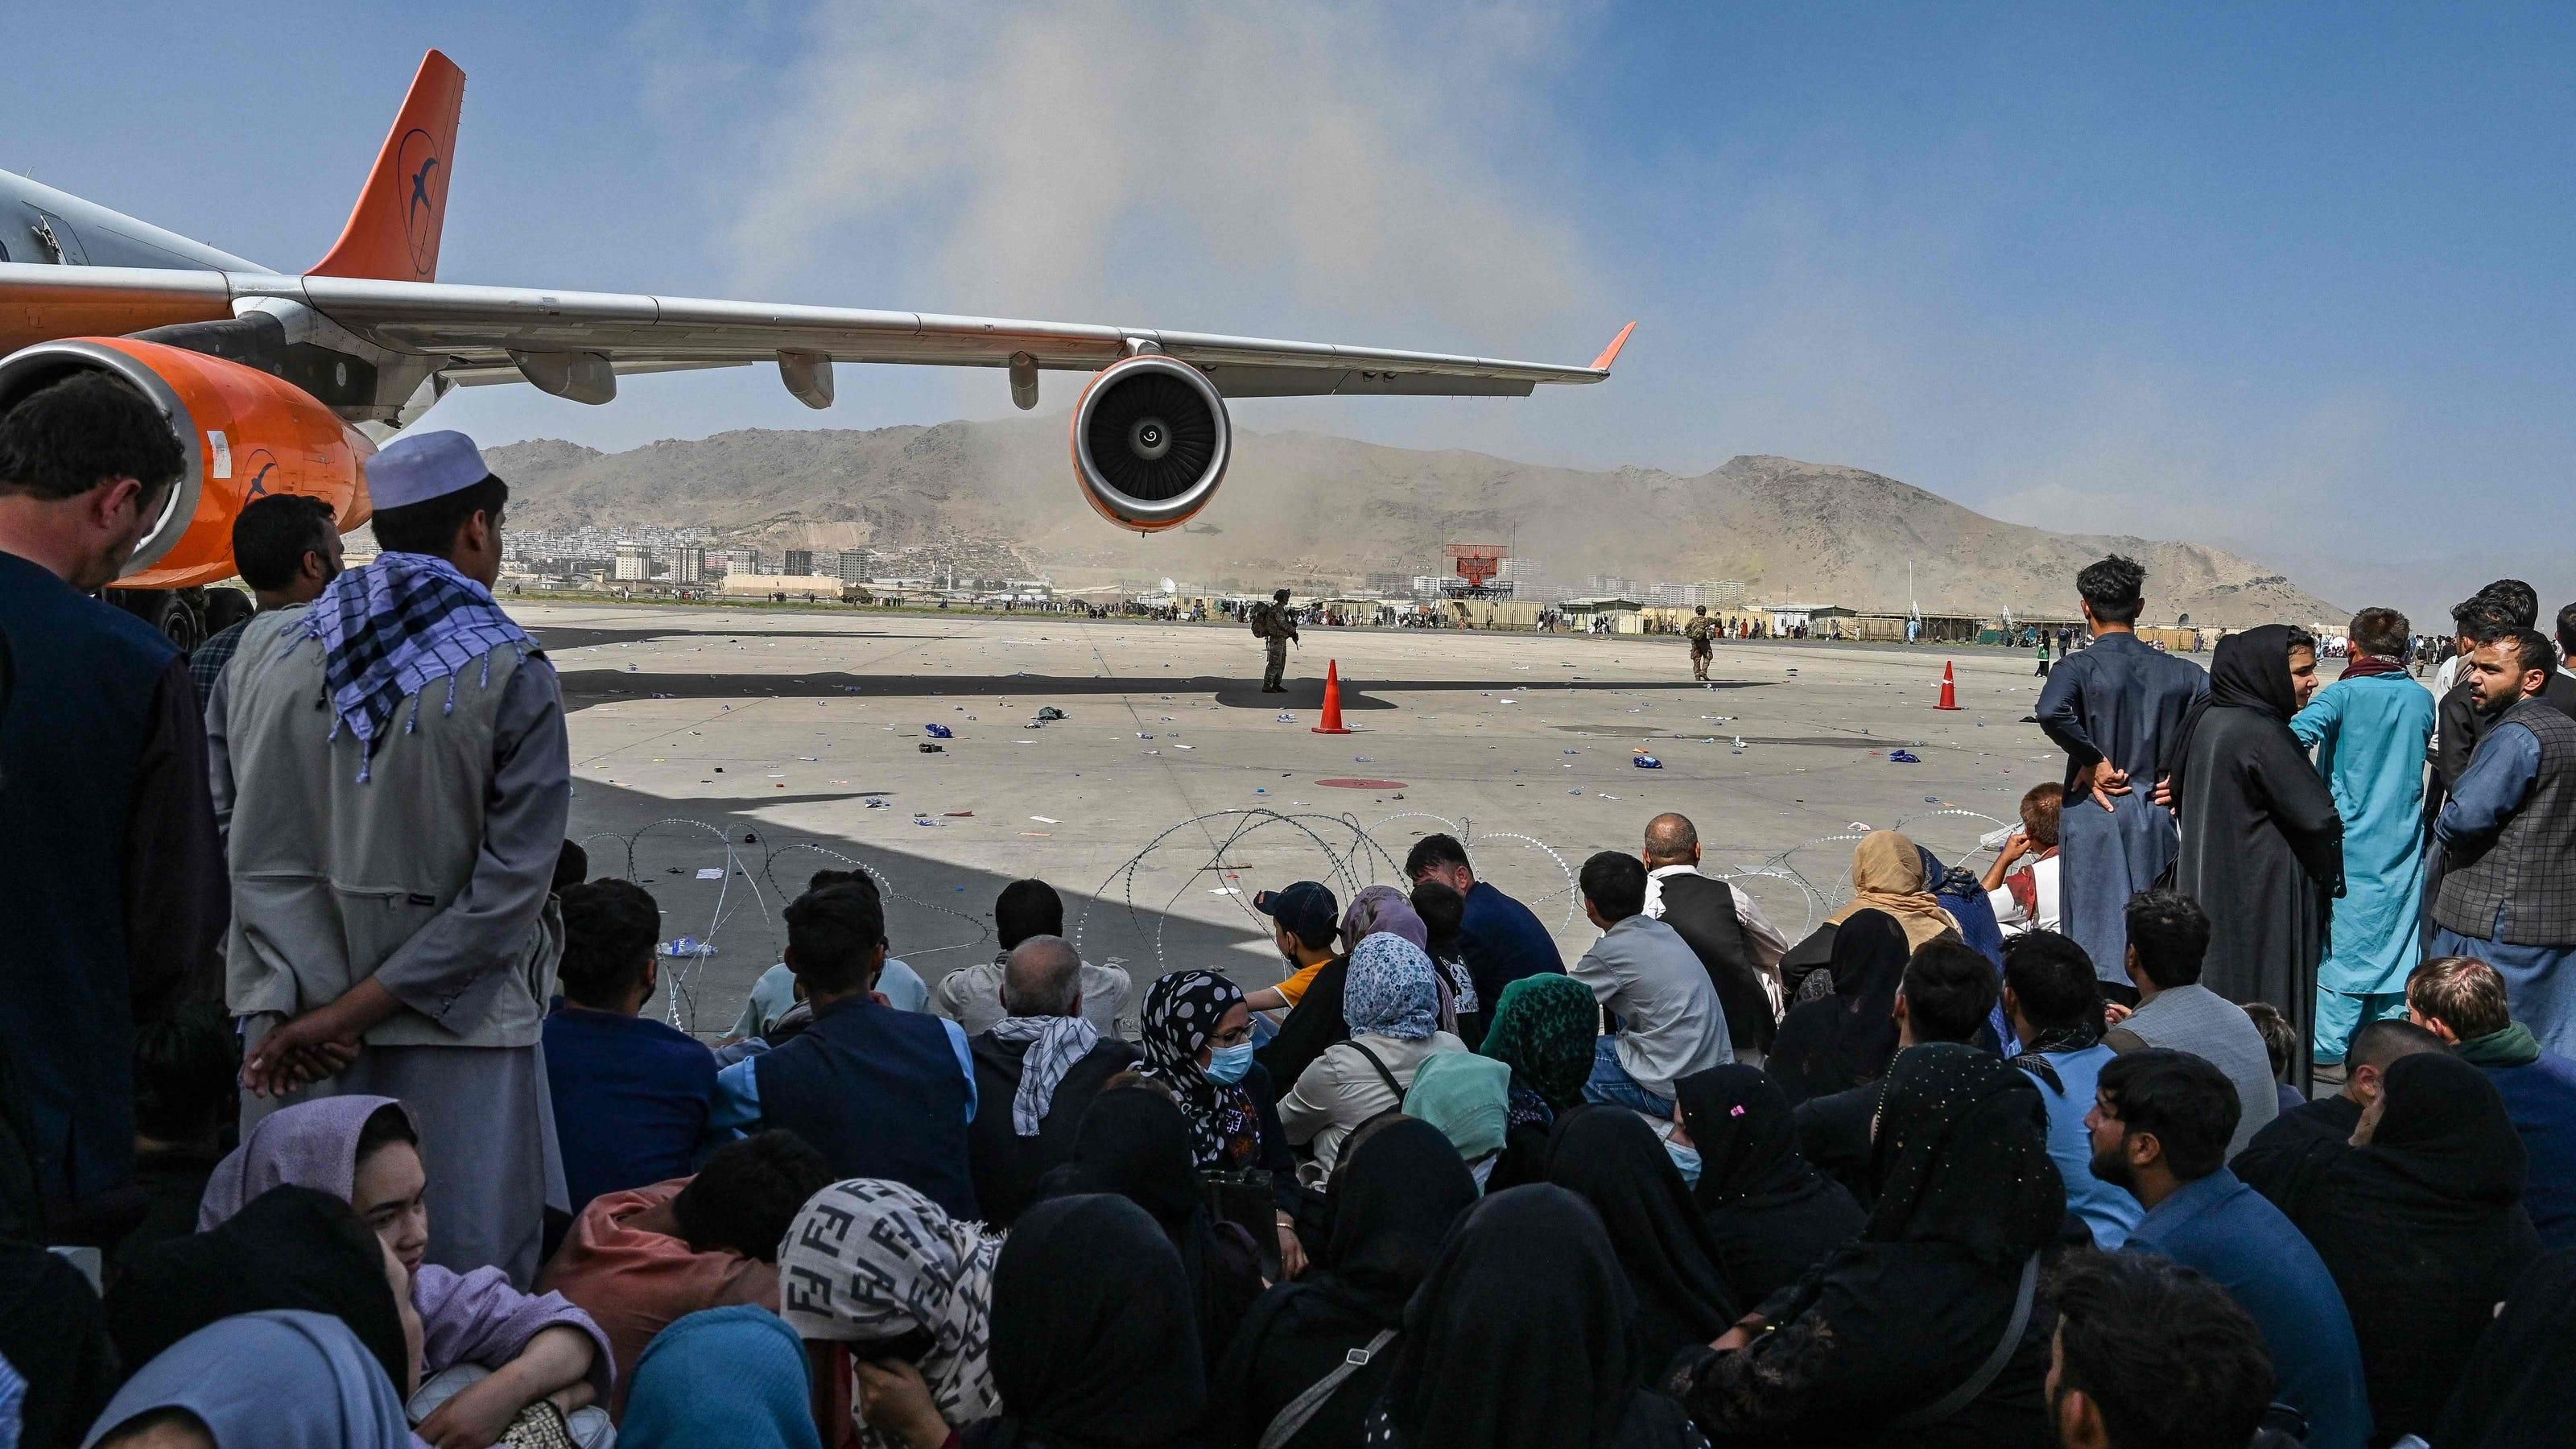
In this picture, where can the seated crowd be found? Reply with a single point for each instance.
(1946, 1196)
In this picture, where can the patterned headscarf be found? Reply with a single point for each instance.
(1389, 991)
(1543, 1029)
(395, 627)
(1180, 1014)
(869, 1259)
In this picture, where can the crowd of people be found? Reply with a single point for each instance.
(2231, 1106)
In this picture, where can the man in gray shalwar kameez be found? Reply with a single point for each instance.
(2112, 707)
(391, 768)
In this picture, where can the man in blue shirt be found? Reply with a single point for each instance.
(2160, 1124)
(879, 1092)
(2508, 892)
(1502, 939)
(2056, 1012)
(631, 1095)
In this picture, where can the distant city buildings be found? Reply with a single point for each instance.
(689, 564)
(1721, 594)
(799, 561)
(1529, 580)
(634, 564)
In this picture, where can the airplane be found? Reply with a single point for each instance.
(279, 382)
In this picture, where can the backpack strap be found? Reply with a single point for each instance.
(1987, 1372)
(1293, 1416)
(1383, 1074)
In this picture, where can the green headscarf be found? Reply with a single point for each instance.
(1466, 1096)
(1543, 1029)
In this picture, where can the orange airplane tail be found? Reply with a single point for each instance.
(393, 231)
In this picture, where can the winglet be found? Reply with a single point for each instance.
(1610, 354)
(393, 231)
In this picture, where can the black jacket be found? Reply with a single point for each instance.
(1006, 1166)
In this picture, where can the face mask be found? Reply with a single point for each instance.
(1687, 1159)
(1228, 1064)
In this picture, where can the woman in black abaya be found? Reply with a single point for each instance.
(1619, 1166)
(1520, 1338)
(2421, 1222)
(1771, 1214)
(1889, 1341)
(1095, 1345)
(1399, 1188)
(2520, 1385)
(1135, 1143)
(1842, 1040)
(2262, 846)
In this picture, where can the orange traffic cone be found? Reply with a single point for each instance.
(1332, 724)
(1949, 687)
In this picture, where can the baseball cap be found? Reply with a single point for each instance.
(1306, 908)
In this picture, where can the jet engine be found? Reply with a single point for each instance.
(243, 433)
(1150, 442)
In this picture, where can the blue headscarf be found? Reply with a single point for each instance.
(732, 1376)
(1389, 991)
(281, 1380)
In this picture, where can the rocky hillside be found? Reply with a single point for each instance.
(1303, 505)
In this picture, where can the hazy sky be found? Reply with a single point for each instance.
(2294, 280)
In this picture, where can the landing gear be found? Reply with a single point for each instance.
(182, 614)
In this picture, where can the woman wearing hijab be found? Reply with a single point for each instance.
(2420, 1219)
(1771, 1214)
(366, 1152)
(877, 1269)
(1614, 1161)
(1922, 1332)
(1095, 1345)
(292, 1249)
(1892, 875)
(276, 1380)
(1134, 1144)
(1384, 908)
(53, 1333)
(2519, 1387)
(1521, 1338)
(1400, 1188)
(731, 1376)
(1198, 1044)
(1393, 1007)
(1543, 1029)
(1836, 1042)
(2262, 846)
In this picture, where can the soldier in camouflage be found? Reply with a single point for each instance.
(1272, 626)
(1701, 630)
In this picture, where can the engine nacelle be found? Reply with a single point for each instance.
(1150, 442)
(243, 432)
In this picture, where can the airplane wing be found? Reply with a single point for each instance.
(569, 343)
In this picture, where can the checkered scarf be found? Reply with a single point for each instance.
(395, 627)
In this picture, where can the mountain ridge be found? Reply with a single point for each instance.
(1315, 505)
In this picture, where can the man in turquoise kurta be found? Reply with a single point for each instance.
(2369, 729)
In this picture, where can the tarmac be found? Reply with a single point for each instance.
(721, 757)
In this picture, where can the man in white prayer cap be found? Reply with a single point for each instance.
(390, 767)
